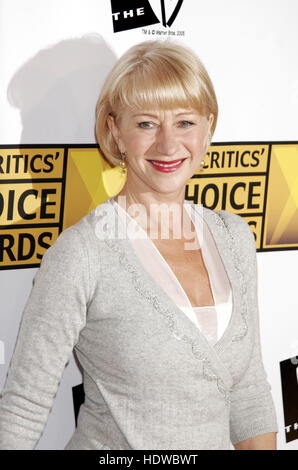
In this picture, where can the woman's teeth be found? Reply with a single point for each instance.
(167, 165)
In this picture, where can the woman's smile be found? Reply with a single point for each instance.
(167, 167)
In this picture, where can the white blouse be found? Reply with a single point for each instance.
(211, 320)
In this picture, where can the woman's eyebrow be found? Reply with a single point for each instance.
(144, 114)
(184, 113)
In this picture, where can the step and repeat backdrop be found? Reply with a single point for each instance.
(55, 56)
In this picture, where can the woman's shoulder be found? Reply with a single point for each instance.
(234, 223)
(80, 238)
(234, 228)
(238, 228)
(86, 229)
(74, 254)
(239, 238)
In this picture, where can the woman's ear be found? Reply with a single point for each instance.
(115, 131)
(113, 127)
(211, 119)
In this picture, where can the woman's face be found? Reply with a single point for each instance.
(151, 137)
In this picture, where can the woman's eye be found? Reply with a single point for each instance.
(186, 123)
(145, 125)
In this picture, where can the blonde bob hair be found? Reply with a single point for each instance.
(153, 75)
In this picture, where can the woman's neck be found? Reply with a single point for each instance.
(161, 216)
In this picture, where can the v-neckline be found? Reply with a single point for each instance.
(166, 264)
(166, 299)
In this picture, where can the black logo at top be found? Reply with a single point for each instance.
(131, 14)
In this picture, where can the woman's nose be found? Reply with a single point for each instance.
(166, 141)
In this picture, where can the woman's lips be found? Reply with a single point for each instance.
(167, 167)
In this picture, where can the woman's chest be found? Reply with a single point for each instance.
(131, 322)
(189, 268)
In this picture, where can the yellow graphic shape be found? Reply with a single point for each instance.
(90, 181)
(282, 207)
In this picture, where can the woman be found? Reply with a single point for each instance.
(165, 328)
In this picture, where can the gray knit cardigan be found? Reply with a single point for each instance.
(151, 379)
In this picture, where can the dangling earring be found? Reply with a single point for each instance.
(122, 163)
(201, 165)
